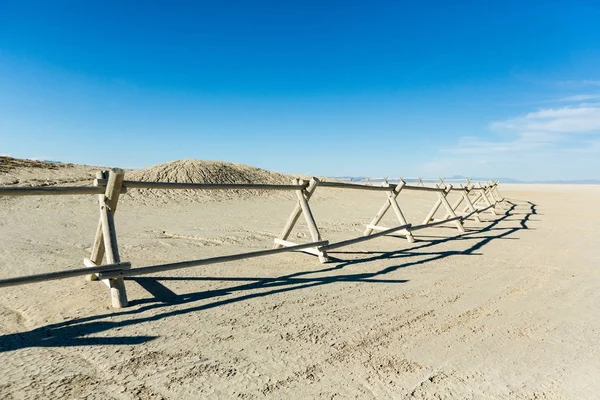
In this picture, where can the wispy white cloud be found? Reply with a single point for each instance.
(579, 83)
(580, 119)
(549, 143)
(587, 99)
(523, 141)
(576, 98)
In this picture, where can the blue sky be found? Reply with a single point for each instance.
(478, 88)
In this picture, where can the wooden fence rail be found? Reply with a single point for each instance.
(214, 260)
(108, 186)
(50, 190)
(201, 186)
(49, 276)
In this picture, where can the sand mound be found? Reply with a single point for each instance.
(202, 171)
(19, 172)
(23, 172)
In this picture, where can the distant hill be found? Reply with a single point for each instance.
(10, 163)
(574, 182)
(512, 180)
(476, 179)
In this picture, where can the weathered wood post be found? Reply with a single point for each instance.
(304, 193)
(470, 205)
(478, 198)
(98, 246)
(484, 196)
(449, 209)
(310, 219)
(442, 200)
(293, 218)
(500, 195)
(105, 243)
(391, 202)
(495, 193)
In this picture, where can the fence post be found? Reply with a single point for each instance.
(391, 202)
(293, 218)
(470, 205)
(456, 205)
(106, 239)
(310, 219)
(444, 200)
(495, 193)
(302, 207)
(98, 246)
(502, 198)
(486, 199)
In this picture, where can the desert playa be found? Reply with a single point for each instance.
(506, 310)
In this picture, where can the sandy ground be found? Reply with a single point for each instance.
(508, 310)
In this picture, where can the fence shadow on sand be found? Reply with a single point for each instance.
(165, 303)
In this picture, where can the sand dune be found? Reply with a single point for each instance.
(507, 310)
(201, 171)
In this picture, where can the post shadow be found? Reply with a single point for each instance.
(76, 332)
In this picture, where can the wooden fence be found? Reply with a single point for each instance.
(108, 186)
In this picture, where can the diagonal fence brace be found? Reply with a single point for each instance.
(442, 200)
(303, 208)
(105, 243)
(391, 202)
